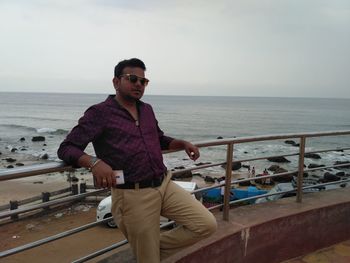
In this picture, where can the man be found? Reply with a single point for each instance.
(128, 144)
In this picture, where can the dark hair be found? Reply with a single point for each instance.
(133, 63)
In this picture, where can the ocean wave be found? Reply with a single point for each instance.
(15, 126)
(51, 131)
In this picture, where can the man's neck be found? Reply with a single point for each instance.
(128, 104)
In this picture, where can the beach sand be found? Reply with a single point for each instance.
(22, 188)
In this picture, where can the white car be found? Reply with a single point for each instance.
(104, 207)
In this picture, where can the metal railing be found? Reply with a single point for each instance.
(59, 167)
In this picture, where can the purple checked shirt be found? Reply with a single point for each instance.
(118, 141)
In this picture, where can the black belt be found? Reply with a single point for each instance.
(142, 184)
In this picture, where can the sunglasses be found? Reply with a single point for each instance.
(133, 79)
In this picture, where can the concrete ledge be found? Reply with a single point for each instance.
(276, 231)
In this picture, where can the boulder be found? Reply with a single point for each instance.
(282, 178)
(312, 155)
(247, 183)
(330, 177)
(44, 156)
(340, 174)
(38, 139)
(315, 165)
(290, 142)
(183, 174)
(209, 179)
(219, 137)
(22, 139)
(10, 160)
(278, 159)
(273, 167)
(235, 166)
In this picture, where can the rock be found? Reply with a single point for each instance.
(219, 137)
(10, 166)
(235, 166)
(278, 159)
(19, 164)
(0, 153)
(312, 155)
(14, 149)
(22, 139)
(30, 227)
(38, 139)
(201, 163)
(330, 177)
(340, 174)
(273, 167)
(44, 156)
(44, 144)
(59, 215)
(247, 183)
(38, 182)
(209, 179)
(181, 175)
(282, 178)
(314, 165)
(179, 167)
(305, 174)
(289, 142)
(10, 160)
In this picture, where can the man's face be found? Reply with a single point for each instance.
(125, 87)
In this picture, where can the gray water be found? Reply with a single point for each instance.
(188, 117)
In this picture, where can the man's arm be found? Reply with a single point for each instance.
(191, 150)
(72, 148)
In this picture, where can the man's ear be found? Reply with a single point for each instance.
(116, 83)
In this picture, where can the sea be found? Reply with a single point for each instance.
(193, 118)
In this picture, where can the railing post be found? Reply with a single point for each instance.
(45, 196)
(75, 190)
(13, 206)
(83, 187)
(301, 169)
(229, 157)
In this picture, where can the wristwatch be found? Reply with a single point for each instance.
(93, 161)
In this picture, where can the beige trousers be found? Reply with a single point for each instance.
(137, 213)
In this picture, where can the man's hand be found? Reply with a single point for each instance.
(103, 175)
(191, 150)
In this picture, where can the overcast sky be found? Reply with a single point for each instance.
(290, 48)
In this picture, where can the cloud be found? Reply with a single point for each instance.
(260, 48)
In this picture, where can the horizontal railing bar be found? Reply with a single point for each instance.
(269, 138)
(51, 238)
(305, 187)
(32, 170)
(199, 167)
(100, 252)
(49, 203)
